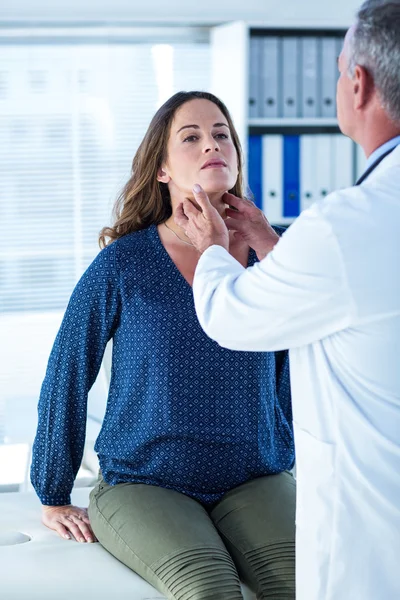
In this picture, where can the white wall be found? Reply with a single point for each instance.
(339, 13)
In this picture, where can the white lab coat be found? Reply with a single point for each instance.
(330, 291)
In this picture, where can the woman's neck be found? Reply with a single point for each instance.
(215, 200)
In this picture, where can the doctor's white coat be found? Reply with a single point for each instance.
(330, 291)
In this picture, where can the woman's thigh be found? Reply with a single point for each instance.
(257, 523)
(165, 537)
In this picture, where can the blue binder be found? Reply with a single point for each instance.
(291, 176)
(255, 168)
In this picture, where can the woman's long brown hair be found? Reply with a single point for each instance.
(144, 200)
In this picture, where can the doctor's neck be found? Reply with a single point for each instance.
(375, 130)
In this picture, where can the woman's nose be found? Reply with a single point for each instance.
(211, 145)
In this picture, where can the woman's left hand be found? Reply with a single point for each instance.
(204, 226)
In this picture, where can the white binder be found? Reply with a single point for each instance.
(329, 75)
(309, 76)
(323, 166)
(343, 161)
(290, 77)
(326, 165)
(255, 91)
(272, 178)
(307, 171)
(270, 77)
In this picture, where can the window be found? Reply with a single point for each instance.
(71, 117)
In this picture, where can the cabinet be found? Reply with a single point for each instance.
(280, 87)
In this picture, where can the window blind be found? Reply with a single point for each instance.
(71, 118)
(72, 114)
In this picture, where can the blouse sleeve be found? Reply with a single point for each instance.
(89, 322)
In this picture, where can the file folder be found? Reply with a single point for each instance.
(309, 76)
(329, 75)
(255, 169)
(290, 77)
(272, 178)
(270, 77)
(323, 166)
(291, 176)
(255, 92)
(307, 171)
(342, 161)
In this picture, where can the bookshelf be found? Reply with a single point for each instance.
(298, 155)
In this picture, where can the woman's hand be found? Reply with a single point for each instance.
(250, 224)
(202, 224)
(67, 520)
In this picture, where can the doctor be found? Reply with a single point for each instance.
(330, 291)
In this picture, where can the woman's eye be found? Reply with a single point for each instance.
(222, 136)
(190, 138)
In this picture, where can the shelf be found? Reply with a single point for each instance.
(298, 122)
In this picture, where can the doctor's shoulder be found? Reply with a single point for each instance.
(346, 204)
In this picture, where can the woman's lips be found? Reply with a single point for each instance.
(215, 164)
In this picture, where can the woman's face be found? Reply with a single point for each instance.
(200, 150)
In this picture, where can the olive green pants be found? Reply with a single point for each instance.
(190, 553)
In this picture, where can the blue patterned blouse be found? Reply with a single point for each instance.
(182, 412)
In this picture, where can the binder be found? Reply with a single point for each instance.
(255, 92)
(323, 166)
(329, 75)
(272, 178)
(270, 77)
(255, 169)
(307, 171)
(342, 162)
(290, 76)
(291, 176)
(309, 76)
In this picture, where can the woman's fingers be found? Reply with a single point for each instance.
(62, 531)
(73, 528)
(202, 200)
(67, 520)
(85, 519)
(84, 528)
(84, 531)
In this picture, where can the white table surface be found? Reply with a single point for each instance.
(50, 568)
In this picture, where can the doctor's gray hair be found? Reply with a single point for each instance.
(375, 45)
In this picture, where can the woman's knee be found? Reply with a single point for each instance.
(200, 574)
(272, 569)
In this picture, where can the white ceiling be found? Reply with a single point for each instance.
(339, 13)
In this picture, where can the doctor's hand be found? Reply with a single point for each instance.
(67, 520)
(204, 226)
(250, 224)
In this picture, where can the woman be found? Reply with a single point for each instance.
(195, 444)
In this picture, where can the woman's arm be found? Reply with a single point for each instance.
(89, 322)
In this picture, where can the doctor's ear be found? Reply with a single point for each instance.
(162, 176)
